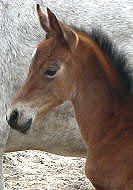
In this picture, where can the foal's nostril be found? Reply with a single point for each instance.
(13, 117)
(15, 122)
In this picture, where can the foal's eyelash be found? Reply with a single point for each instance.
(54, 66)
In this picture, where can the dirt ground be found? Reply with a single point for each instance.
(36, 170)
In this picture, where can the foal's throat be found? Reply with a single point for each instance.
(94, 103)
(94, 108)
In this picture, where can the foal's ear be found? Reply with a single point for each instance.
(63, 33)
(56, 28)
(43, 19)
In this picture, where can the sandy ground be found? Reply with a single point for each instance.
(35, 170)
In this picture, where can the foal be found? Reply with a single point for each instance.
(71, 64)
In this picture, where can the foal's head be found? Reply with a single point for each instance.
(51, 78)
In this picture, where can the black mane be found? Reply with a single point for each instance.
(117, 57)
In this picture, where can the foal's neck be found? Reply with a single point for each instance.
(95, 105)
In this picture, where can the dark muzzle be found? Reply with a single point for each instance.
(13, 122)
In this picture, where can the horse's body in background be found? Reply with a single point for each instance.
(19, 34)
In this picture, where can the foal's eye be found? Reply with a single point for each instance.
(50, 74)
(47, 36)
(52, 70)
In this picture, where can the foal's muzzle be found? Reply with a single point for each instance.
(12, 120)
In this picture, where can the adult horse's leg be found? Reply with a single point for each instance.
(4, 132)
(1, 177)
